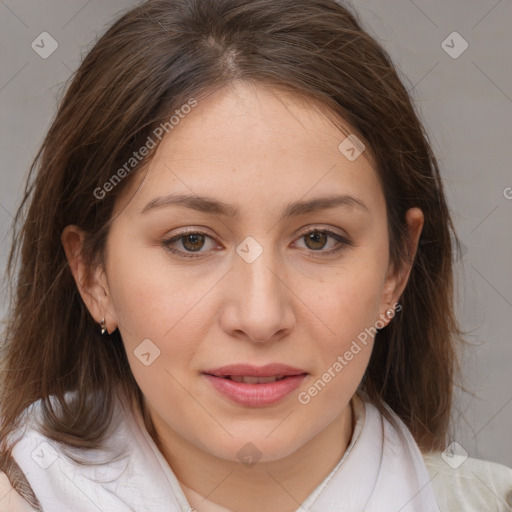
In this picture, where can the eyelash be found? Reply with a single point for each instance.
(344, 242)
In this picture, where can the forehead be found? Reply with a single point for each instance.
(252, 146)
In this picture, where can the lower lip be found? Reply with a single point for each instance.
(254, 395)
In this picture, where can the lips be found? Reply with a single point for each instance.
(255, 386)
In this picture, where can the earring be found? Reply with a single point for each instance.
(103, 326)
(390, 313)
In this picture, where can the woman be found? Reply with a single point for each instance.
(235, 285)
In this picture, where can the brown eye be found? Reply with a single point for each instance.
(193, 241)
(316, 240)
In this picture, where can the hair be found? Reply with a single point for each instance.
(150, 62)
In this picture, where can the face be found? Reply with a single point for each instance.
(265, 271)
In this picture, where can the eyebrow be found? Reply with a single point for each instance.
(213, 206)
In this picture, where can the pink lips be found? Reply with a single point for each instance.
(255, 394)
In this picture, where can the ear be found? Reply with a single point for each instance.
(91, 283)
(397, 278)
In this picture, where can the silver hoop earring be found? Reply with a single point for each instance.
(103, 326)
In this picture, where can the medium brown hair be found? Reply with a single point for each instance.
(148, 64)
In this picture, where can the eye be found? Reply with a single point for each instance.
(316, 239)
(191, 241)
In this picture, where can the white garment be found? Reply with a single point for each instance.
(379, 472)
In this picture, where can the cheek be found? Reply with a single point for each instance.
(155, 300)
(350, 307)
(349, 301)
(159, 322)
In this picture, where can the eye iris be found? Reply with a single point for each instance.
(314, 237)
(193, 239)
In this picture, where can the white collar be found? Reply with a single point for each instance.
(382, 470)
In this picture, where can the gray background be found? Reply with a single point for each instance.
(465, 103)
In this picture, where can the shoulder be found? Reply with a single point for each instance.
(10, 499)
(467, 484)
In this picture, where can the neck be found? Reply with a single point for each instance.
(218, 485)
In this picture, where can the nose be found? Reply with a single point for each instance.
(259, 302)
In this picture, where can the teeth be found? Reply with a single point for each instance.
(255, 380)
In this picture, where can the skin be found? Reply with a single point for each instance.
(260, 149)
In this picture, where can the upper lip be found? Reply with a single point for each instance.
(245, 370)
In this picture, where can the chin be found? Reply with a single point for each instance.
(258, 446)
